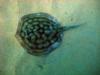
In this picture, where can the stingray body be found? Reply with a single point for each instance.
(40, 33)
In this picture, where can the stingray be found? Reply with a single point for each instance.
(40, 33)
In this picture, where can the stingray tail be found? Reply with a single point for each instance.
(66, 28)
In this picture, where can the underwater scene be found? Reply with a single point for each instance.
(49, 37)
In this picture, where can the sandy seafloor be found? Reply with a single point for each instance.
(79, 53)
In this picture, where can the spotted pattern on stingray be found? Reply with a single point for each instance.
(39, 33)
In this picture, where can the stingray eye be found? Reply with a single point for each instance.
(36, 33)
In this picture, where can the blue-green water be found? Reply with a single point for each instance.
(79, 52)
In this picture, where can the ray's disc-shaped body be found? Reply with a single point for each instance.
(39, 33)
